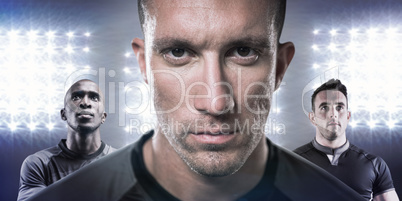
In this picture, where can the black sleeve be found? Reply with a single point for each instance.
(383, 182)
(31, 178)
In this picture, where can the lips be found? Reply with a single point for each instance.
(333, 124)
(85, 114)
(213, 136)
(214, 132)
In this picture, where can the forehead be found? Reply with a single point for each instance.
(330, 96)
(84, 86)
(215, 20)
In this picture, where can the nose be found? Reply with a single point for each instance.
(333, 113)
(215, 94)
(85, 102)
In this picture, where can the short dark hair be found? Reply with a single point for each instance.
(141, 12)
(280, 8)
(332, 84)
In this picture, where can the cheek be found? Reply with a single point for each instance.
(322, 122)
(169, 89)
(257, 99)
(320, 119)
(71, 109)
(321, 115)
(256, 92)
(101, 108)
(71, 106)
(344, 118)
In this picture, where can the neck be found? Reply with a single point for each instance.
(333, 144)
(87, 143)
(173, 174)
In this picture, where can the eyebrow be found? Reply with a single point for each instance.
(252, 41)
(249, 41)
(80, 93)
(77, 93)
(326, 103)
(170, 42)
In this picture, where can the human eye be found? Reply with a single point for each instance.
(75, 97)
(243, 55)
(178, 56)
(324, 108)
(95, 98)
(339, 108)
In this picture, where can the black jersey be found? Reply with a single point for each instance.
(122, 175)
(365, 173)
(47, 166)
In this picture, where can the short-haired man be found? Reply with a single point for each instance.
(212, 66)
(365, 173)
(84, 112)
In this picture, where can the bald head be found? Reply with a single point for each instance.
(84, 108)
(84, 83)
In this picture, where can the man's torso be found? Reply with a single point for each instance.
(363, 172)
(124, 177)
(45, 167)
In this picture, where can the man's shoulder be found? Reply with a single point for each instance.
(300, 179)
(43, 156)
(374, 159)
(108, 149)
(304, 148)
(295, 161)
(359, 151)
(104, 179)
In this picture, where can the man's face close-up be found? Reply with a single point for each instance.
(213, 74)
(84, 108)
(331, 114)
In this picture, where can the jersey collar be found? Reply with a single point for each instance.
(333, 154)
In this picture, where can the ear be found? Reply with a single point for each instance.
(349, 115)
(311, 116)
(63, 114)
(139, 51)
(103, 118)
(285, 55)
